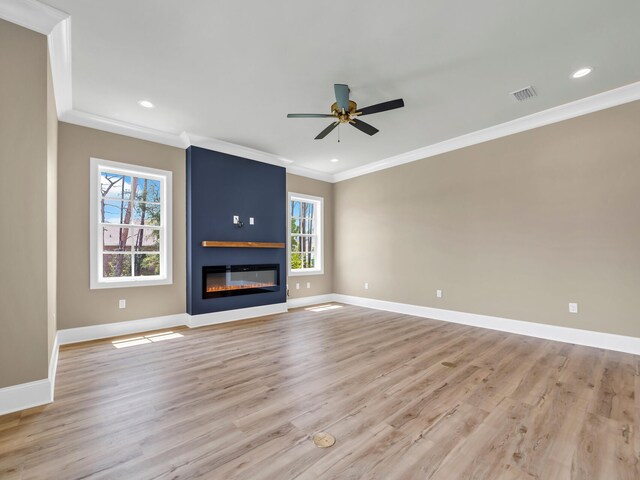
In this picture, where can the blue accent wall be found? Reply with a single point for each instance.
(220, 186)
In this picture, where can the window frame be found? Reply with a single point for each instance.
(165, 177)
(319, 214)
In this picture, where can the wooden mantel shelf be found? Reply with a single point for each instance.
(211, 243)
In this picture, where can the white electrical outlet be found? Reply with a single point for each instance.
(297, 286)
(439, 293)
(308, 284)
(366, 286)
(573, 308)
(236, 219)
(122, 304)
(251, 221)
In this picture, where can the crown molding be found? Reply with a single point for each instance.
(310, 173)
(57, 26)
(235, 149)
(119, 127)
(185, 140)
(32, 14)
(601, 101)
(584, 106)
(59, 42)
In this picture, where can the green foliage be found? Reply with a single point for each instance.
(150, 264)
(117, 266)
(295, 226)
(296, 261)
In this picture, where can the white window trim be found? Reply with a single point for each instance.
(319, 270)
(166, 231)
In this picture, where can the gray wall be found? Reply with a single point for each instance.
(79, 306)
(517, 227)
(23, 196)
(320, 284)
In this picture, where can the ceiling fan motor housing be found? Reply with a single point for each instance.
(345, 117)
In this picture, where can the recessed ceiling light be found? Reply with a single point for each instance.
(145, 104)
(335, 160)
(583, 72)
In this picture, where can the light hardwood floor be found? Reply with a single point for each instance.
(242, 400)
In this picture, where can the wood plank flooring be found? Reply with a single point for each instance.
(405, 397)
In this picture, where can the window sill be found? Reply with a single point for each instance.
(95, 285)
(305, 273)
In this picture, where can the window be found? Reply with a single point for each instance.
(130, 225)
(305, 235)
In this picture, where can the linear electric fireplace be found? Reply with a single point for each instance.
(230, 280)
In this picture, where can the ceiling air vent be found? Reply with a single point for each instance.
(524, 94)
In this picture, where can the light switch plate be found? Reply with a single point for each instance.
(573, 308)
(236, 219)
(122, 304)
(439, 293)
(251, 221)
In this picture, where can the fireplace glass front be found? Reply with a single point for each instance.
(229, 280)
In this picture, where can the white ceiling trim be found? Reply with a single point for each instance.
(32, 15)
(601, 101)
(234, 149)
(310, 173)
(57, 26)
(98, 122)
(253, 154)
(59, 41)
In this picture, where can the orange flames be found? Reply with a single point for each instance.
(224, 288)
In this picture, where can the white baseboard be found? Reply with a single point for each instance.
(107, 330)
(608, 341)
(25, 395)
(588, 338)
(214, 318)
(31, 394)
(40, 392)
(306, 301)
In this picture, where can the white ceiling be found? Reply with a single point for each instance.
(232, 70)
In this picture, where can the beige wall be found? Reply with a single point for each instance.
(52, 208)
(23, 196)
(516, 227)
(78, 305)
(320, 284)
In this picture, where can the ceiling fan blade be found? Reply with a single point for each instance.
(309, 115)
(382, 107)
(364, 127)
(342, 96)
(327, 131)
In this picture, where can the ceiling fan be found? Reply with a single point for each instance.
(347, 111)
